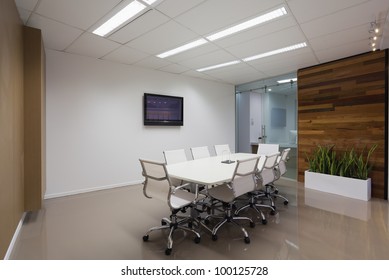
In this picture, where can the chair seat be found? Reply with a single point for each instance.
(183, 198)
(222, 193)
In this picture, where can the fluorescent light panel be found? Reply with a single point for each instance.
(150, 2)
(226, 32)
(248, 24)
(186, 47)
(119, 18)
(286, 49)
(218, 66)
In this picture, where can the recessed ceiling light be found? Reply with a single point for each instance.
(247, 24)
(286, 49)
(119, 18)
(183, 48)
(236, 28)
(218, 66)
(287, 81)
(150, 2)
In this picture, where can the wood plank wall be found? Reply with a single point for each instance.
(344, 103)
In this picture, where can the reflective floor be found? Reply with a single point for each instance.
(110, 224)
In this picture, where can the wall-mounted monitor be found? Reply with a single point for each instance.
(163, 110)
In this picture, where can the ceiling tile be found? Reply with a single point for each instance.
(168, 36)
(193, 53)
(24, 14)
(343, 51)
(174, 68)
(28, 5)
(125, 55)
(236, 74)
(345, 19)
(274, 41)
(318, 8)
(142, 24)
(173, 8)
(92, 45)
(152, 62)
(332, 40)
(201, 19)
(257, 32)
(56, 36)
(208, 59)
(81, 14)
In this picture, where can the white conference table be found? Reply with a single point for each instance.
(207, 171)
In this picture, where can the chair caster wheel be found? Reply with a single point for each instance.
(214, 237)
(276, 191)
(252, 224)
(286, 202)
(247, 240)
(264, 222)
(145, 238)
(163, 223)
(168, 252)
(197, 240)
(272, 212)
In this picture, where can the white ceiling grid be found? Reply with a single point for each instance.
(332, 29)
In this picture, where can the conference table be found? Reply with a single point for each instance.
(207, 171)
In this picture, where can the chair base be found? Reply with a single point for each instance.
(228, 217)
(173, 224)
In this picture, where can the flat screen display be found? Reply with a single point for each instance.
(163, 110)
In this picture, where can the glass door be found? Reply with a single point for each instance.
(267, 113)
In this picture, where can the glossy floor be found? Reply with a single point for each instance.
(110, 224)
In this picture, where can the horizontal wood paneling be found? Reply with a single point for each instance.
(344, 103)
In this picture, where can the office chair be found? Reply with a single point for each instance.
(175, 156)
(266, 177)
(242, 182)
(280, 170)
(200, 152)
(268, 149)
(222, 149)
(253, 196)
(157, 181)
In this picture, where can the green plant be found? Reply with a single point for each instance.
(324, 159)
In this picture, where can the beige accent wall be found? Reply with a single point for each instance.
(34, 119)
(11, 122)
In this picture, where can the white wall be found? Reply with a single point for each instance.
(95, 133)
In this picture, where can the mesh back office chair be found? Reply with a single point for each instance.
(253, 202)
(200, 152)
(157, 181)
(242, 182)
(268, 149)
(280, 170)
(266, 177)
(222, 149)
(175, 156)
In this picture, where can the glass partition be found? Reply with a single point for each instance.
(267, 113)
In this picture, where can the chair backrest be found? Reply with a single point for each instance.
(200, 152)
(175, 156)
(222, 149)
(157, 182)
(268, 149)
(268, 174)
(243, 179)
(282, 159)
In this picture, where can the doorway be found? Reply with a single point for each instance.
(266, 112)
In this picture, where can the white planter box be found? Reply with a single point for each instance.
(349, 187)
